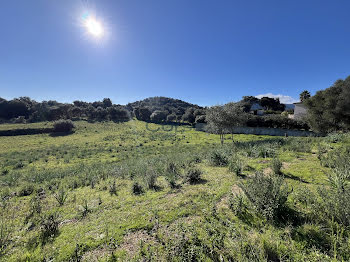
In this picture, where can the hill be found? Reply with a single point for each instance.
(171, 105)
(160, 109)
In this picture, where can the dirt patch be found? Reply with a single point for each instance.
(267, 171)
(95, 255)
(285, 165)
(224, 202)
(263, 161)
(68, 221)
(132, 241)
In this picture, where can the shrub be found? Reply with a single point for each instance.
(84, 209)
(335, 201)
(276, 166)
(63, 126)
(35, 205)
(193, 175)
(151, 179)
(26, 190)
(4, 236)
(172, 173)
(113, 189)
(302, 145)
(137, 189)
(61, 196)
(49, 227)
(334, 137)
(236, 165)
(237, 204)
(218, 158)
(268, 194)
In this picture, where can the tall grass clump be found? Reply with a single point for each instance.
(61, 196)
(193, 175)
(172, 173)
(334, 137)
(151, 179)
(63, 126)
(218, 157)
(84, 209)
(49, 227)
(4, 236)
(276, 166)
(236, 165)
(137, 189)
(301, 145)
(335, 200)
(267, 194)
(113, 189)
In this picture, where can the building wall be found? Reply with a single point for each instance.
(264, 131)
(300, 111)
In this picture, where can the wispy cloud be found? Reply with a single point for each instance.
(284, 99)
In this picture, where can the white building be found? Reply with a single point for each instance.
(300, 110)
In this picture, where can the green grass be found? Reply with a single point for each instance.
(163, 223)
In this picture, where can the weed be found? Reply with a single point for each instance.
(237, 204)
(137, 189)
(84, 209)
(276, 166)
(151, 179)
(268, 194)
(49, 227)
(4, 236)
(193, 175)
(236, 165)
(26, 190)
(113, 189)
(61, 196)
(218, 158)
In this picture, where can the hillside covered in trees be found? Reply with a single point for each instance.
(328, 111)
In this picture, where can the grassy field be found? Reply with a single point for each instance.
(145, 192)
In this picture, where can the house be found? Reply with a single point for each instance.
(256, 109)
(300, 110)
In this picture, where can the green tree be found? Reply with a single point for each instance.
(329, 109)
(304, 95)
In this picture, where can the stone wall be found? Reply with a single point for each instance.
(265, 131)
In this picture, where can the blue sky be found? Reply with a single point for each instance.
(205, 52)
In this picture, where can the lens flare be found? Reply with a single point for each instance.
(94, 27)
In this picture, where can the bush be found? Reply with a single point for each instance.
(335, 200)
(218, 158)
(63, 126)
(193, 175)
(268, 195)
(61, 196)
(137, 189)
(236, 165)
(151, 180)
(49, 227)
(4, 236)
(26, 190)
(171, 174)
(84, 209)
(237, 204)
(113, 189)
(276, 166)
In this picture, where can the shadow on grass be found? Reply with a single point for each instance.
(199, 182)
(56, 134)
(296, 178)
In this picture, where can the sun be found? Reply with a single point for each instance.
(94, 27)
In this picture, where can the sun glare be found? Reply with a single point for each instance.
(94, 27)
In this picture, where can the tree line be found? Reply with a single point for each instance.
(327, 111)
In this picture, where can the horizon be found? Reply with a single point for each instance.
(200, 52)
